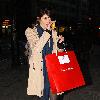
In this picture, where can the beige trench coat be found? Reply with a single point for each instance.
(36, 78)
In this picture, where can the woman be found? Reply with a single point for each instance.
(42, 41)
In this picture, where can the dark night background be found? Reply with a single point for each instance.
(81, 20)
(66, 12)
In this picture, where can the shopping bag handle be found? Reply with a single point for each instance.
(62, 50)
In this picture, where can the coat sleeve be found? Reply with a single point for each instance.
(55, 40)
(35, 42)
(41, 42)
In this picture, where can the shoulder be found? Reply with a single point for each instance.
(30, 31)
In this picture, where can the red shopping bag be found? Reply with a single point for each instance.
(63, 71)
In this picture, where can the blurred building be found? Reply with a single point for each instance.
(94, 10)
(64, 10)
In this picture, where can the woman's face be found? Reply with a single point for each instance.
(45, 21)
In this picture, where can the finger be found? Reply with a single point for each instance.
(53, 21)
(60, 36)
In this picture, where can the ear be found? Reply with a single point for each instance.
(38, 18)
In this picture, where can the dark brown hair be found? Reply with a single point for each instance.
(43, 12)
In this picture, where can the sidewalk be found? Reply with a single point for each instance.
(90, 92)
(13, 82)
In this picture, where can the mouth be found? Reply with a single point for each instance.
(47, 25)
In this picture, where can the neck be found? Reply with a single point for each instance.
(42, 26)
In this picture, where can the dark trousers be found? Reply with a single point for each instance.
(46, 91)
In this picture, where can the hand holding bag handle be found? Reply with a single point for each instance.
(61, 46)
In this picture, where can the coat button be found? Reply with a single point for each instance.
(33, 68)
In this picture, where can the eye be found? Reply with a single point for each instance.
(45, 17)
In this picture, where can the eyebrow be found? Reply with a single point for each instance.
(46, 17)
